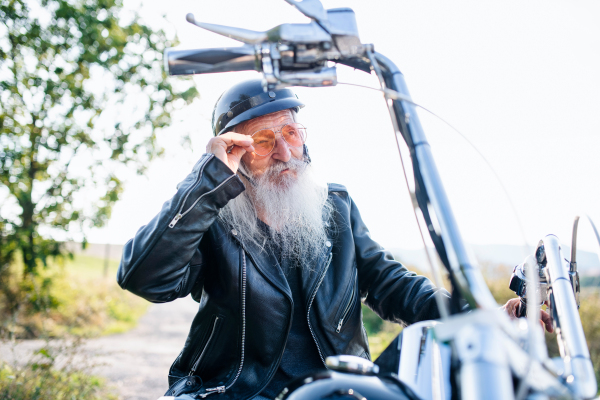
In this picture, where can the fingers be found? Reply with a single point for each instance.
(511, 307)
(229, 139)
(547, 321)
(230, 147)
(237, 152)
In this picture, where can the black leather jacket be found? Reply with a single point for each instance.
(239, 333)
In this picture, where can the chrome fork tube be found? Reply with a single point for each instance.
(581, 379)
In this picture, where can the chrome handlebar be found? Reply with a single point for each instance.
(300, 55)
(287, 55)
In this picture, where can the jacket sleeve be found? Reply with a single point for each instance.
(392, 291)
(163, 261)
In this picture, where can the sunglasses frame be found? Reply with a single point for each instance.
(279, 129)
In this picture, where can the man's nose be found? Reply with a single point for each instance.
(282, 150)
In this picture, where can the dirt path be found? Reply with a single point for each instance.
(137, 362)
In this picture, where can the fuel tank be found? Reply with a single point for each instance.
(332, 385)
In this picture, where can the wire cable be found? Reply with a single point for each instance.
(398, 96)
(440, 301)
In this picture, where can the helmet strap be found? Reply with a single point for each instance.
(247, 178)
(306, 155)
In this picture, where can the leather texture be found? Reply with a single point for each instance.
(245, 305)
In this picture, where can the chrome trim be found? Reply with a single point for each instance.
(422, 365)
(352, 364)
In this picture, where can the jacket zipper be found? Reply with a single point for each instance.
(312, 297)
(201, 356)
(346, 311)
(222, 389)
(181, 215)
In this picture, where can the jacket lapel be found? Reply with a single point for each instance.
(310, 279)
(267, 264)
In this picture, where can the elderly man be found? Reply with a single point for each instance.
(278, 263)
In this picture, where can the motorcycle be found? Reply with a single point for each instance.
(479, 354)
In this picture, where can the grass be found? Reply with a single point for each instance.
(83, 301)
(92, 303)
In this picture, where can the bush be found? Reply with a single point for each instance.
(590, 318)
(57, 372)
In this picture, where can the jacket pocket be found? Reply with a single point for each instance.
(209, 339)
(347, 307)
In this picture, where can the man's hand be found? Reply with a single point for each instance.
(230, 147)
(512, 306)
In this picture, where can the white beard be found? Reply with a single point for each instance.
(295, 208)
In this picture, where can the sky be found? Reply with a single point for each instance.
(519, 80)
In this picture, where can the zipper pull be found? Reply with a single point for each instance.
(339, 327)
(218, 389)
(174, 221)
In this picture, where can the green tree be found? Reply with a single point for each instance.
(82, 95)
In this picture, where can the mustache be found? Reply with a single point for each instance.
(278, 166)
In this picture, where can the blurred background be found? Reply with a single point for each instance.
(95, 137)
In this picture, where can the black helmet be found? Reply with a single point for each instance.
(248, 100)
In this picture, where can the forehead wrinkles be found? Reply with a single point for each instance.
(266, 121)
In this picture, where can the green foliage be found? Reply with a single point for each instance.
(589, 311)
(82, 95)
(53, 372)
(380, 332)
(372, 321)
(590, 319)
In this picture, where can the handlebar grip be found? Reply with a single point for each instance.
(206, 61)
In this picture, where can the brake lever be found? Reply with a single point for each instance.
(240, 34)
(313, 9)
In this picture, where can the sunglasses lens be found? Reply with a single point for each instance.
(264, 141)
(294, 134)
